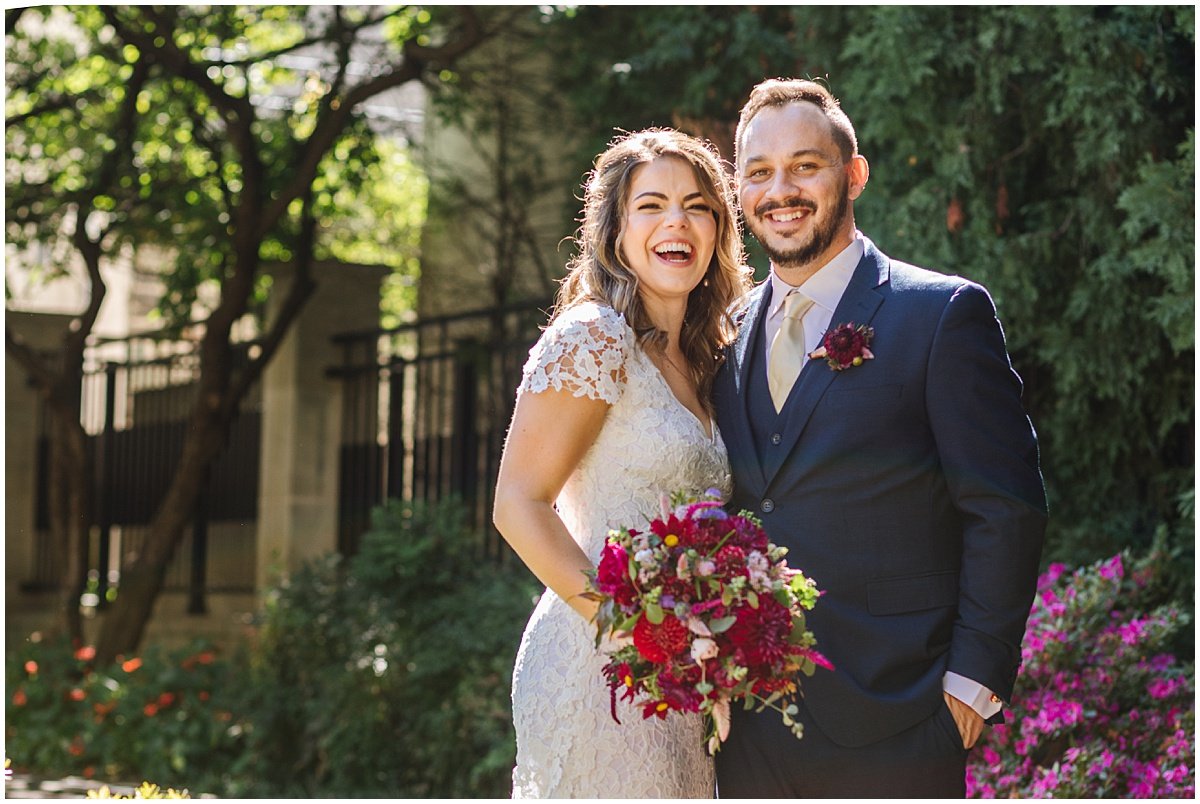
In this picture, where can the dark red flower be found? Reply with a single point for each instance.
(749, 534)
(762, 633)
(679, 691)
(660, 643)
(658, 709)
(846, 345)
(731, 561)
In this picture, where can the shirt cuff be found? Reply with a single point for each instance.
(972, 693)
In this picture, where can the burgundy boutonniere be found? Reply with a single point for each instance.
(846, 345)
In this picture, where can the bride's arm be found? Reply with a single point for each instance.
(551, 431)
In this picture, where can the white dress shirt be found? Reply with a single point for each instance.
(826, 288)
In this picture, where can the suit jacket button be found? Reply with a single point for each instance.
(776, 438)
(768, 505)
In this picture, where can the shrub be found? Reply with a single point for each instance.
(389, 674)
(162, 715)
(1103, 707)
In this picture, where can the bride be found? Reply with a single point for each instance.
(613, 409)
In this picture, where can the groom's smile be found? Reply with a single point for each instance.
(795, 187)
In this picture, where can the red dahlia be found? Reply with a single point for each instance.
(660, 643)
(731, 561)
(846, 345)
(762, 633)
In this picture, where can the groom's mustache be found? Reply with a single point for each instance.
(771, 206)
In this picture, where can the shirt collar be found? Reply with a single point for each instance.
(827, 285)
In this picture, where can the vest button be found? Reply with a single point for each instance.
(768, 505)
(776, 438)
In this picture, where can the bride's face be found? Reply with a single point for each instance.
(670, 230)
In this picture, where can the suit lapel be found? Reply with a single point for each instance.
(858, 304)
(748, 338)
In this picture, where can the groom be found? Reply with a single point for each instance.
(897, 466)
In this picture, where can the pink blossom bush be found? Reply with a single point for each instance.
(1102, 707)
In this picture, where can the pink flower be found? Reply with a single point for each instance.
(612, 575)
(1113, 569)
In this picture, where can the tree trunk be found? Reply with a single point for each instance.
(142, 579)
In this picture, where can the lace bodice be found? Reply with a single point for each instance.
(567, 742)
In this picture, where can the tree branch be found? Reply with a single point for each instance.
(300, 44)
(331, 124)
(54, 104)
(301, 289)
(238, 112)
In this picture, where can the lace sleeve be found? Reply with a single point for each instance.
(582, 352)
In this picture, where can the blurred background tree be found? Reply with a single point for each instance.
(135, 127)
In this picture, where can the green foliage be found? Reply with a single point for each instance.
(163, 715)
(185, 181)
(1047, 152)
(383, 675)
(388, 674)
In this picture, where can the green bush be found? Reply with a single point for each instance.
(165, 715)
(388, 674)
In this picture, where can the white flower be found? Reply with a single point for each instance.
(644, 557)
(702, 649)
(760, 571)
(697, 626)
(681, 568)
(706, 567)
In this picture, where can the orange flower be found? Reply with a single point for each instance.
(166, 699)
(89, 772)
(206, 657)
(19, 698)
(131, 665)
(77, 694)
(203, 695)
(31, 667)
(150, 709)
(86, 653)
(75, 749)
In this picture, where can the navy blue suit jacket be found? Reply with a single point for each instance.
(908, 487)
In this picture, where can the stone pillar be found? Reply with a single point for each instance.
(302, 415)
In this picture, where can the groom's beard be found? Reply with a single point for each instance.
(824, 233)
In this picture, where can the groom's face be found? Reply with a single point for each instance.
(793, 186)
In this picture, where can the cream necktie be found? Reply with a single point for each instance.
(787, 349)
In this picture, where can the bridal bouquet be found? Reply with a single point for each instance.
(715, 613)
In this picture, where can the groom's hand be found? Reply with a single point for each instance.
(970, 724)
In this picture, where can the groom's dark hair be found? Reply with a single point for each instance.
(783, 91)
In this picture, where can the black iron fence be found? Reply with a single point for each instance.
(137, 393)
(425, 409)
(426, 406)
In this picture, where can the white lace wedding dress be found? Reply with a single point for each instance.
(568, 745)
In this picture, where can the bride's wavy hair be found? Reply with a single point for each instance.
(599, 272)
